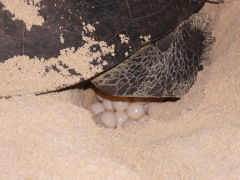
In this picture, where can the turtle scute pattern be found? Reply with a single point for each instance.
(166, 68)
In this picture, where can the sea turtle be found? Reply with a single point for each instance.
(79, 39)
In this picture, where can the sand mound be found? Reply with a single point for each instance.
(52, 137)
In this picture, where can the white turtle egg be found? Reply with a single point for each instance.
(97, 108)
(145, 105)
(143, 119)
(135, 110)
(128, 122)
(100, 98)
(152, 108)
(97, 118)
(120, 105)
(121, 118)
(108, 104)
(108, 119)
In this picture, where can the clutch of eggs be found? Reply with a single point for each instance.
(117, 112)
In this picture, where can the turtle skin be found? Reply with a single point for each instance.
(110, 18)
(165, 68)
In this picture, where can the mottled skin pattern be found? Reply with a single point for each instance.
(166, 68)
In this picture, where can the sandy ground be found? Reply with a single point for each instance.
(52, 137)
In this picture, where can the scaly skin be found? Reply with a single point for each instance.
(166, 68)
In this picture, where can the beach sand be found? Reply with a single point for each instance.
(52, 136)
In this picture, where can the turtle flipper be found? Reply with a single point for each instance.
(166, 68)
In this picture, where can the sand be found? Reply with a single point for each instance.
(53, 136)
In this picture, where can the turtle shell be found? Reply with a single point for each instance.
(78, 39)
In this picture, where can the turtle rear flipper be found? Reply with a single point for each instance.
(166, 68)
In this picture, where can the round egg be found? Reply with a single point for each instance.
(97, 118)
(121, 118)
(152, 108)
(108, 105)
(144, 119)
(97, 108)
(120, 105)
(108, 119)
(100, 98)
(128, 123)
(145, 105)
(135, 110)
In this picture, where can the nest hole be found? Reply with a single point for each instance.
(113, 111)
